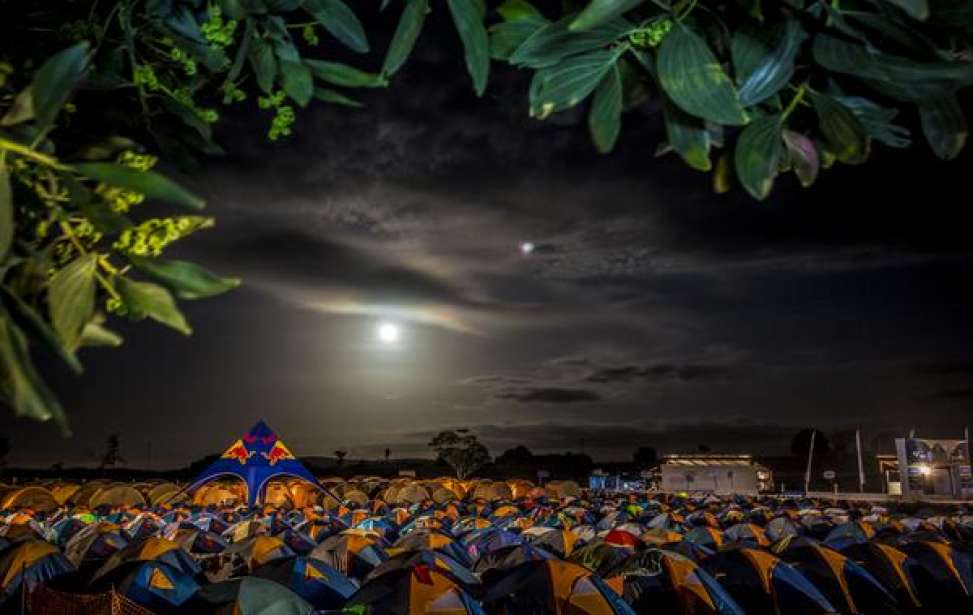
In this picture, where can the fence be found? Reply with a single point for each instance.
(45, 601)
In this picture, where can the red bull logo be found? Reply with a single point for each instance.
(278, 452)
(239, 452)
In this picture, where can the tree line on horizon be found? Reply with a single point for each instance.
(462, 451)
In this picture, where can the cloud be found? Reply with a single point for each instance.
(569, 379)
(550, 395)
(291, 254)
(658, 373)
(488, 381)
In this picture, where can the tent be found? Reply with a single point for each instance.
(256, 458)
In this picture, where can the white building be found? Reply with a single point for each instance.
(712, 473)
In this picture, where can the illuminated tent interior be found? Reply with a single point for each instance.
(256, 458)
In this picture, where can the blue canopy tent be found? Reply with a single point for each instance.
(256, 458)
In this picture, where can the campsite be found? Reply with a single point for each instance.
(257, 534)
(560, 307)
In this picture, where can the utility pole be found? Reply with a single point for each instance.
(810, 455)
(861, 469)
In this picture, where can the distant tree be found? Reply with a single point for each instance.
(645, 456)
(801, 443)
(704, 448)
(461, 450)
(388, 453)
(518, 455)
(4, 450)
(112, 457)
(341, 454)
(57, 466)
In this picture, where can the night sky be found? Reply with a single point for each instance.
(651, 311)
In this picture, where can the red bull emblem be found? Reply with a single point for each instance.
(278, 452)
(239, 452)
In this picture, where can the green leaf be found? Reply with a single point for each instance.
(688, 136)
(340, 21)
(344, 75)
(774, 70)
(406, 33)
(239, 58)
(723, 174)
(567, 84)
(892, 29)
(900, 78)
(554, 42)
(6, 212)
(944, 126)
(335, 97)
(845, 135)
(233, 9)
(605, 117)
(20, 385)
(39, 329)
(148, 300)
(71, 299)
(476, 44)
(187, 280)
(105, 219)
(515, 10)
(152, 185)
(601, 11)
(749, 47)
(918, 9)
(22, 109)
(694, 80)
(182, 22)
(298, 82)
(95, 334)
(264, 64)
(286, 50)
(757, 155)
(803, 156)
(877, 121)
(189, 117)
(54, 81)
(507, 36)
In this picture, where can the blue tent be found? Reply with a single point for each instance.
(256, 458)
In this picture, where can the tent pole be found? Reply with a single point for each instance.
(810, 454)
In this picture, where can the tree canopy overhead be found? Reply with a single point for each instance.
(94, 93)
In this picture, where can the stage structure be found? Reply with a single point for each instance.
(256, 458)
(934, 467)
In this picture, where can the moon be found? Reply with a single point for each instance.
(388, 333)
(526, 248)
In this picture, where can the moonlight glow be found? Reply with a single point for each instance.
(388, 333)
